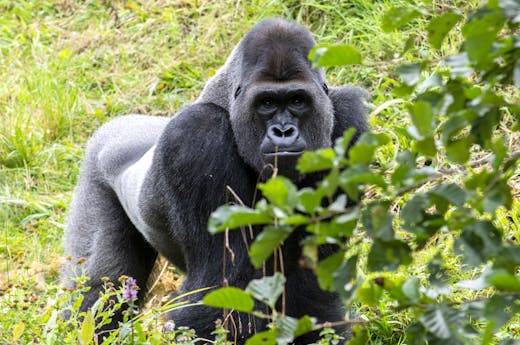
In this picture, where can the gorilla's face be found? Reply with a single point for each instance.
(281, 107)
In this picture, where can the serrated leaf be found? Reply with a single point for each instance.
(343, 142)
(425, 147)
(499, 195)
(480, 33)
(413, 210)
(231, 217)
(290, 328)
(410, 73)
(305, 325)
(369, 293)
(511, 9)
(411, 290)
(398, 17)
(516, 74)
(377, 220)
(88, 327)
(421, 113)
(439, 27)
(263, 338)
(334, 55)
(388, 255)
(265, 244)
(344, 277)
(267, 289)
(437, 320)
(497, 309)
(319, 160)
(280, 191)
(363, 150)
(309, 200)
(504, 281)
(230, 298)
(458, 150)
(326, 269)
(478, 242)
(451, 192)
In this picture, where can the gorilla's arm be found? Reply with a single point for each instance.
(194, 160)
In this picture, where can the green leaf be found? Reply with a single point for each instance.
(504, 281)
(410, 73)
(286, 326)
(411, 289)
(425, 147)
(478, 242)
(377, 220)
(319, 160)
(458, 150)
(88, 327)
(516, 74)
(326, 269)
(290, 328)
(345, 282)
(450, 192)
(497, 309)
(309, 200)
(511, 9)
(231, 217)
(499, 195)
(305, 325)
(363, 150)
(230, 298)
(265, 244)
(388, 255)
(480, 33)
(343, 142)
(280, 191)
(369, 293)
(437, 320)
(439, 27)
(421, 113)
(267, 289)
(334, 55)
(398, 17)
(263, 338)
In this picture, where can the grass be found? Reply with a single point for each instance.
(68, 66)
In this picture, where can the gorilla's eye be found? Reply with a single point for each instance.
(297, 101)
(325, 88)
(267, 102)
(237, 92)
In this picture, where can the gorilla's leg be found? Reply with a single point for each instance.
(112, 247)
(98, 229)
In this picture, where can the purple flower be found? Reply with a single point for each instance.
(169, 326)
(130, 289)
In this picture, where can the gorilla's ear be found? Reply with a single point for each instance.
(349, 110)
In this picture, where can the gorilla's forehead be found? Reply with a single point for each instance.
(277, 50)
(283, 87)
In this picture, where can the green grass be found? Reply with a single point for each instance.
(68, 66)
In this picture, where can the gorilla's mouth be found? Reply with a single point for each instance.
(284, 162)
(282, 154)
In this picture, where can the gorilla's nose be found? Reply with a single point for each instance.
(283, 136)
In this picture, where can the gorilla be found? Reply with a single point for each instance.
(148, 184)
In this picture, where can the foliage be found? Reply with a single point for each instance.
(418, 200)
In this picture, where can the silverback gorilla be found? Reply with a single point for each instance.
(149, 184)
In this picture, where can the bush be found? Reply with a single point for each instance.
(434, 204)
